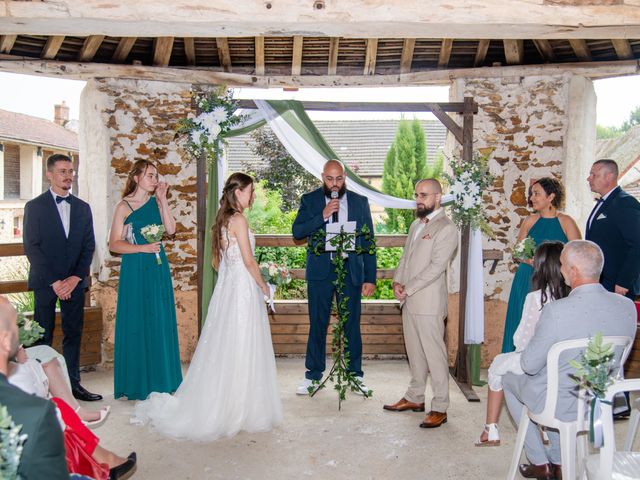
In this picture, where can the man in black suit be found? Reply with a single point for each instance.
(614, 224)
(43, 455)
(59, 243)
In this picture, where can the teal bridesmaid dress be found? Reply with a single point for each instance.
(544, 230)
(147, 356)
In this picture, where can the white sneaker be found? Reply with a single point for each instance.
(303, 388)
(363, 387)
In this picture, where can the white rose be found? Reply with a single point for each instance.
(273, 270)
(219, 114)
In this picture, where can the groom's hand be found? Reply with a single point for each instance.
(368, 289)
(332, 207)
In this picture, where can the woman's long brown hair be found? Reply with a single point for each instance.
(229, 206)
(138, 169)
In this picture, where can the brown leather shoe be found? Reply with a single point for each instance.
(404, 404)
(434, 419)
(540, 472)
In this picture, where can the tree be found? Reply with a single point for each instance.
(278, 169)
(406, 163)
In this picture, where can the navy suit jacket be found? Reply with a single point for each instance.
(309, 220)
(53, 256)
(616, 229)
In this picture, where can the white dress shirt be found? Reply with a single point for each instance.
(599, 206)
(64, 210)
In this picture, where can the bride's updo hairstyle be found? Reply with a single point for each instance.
(138, 169)
(229, 206)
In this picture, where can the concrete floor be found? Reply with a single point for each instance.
(317, 441)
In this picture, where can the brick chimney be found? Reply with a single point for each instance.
(61, 114)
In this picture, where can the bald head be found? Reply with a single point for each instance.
(582, 262)
(428, 193)
(9, 338)
(333, 178)
(8, 315)
(431, 184)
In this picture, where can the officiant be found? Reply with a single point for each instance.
(334, 204)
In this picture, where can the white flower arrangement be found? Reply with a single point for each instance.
(11, 445)
(468, 182)
(205, 132)
(153, 233)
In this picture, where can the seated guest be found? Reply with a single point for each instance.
(48, 380)
(43, 455)
(547, 285)
(589, 308)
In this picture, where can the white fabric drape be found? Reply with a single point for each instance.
(474, 305)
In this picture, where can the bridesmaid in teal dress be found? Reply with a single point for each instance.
(548, 224)
(147, 357)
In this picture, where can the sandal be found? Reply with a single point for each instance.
(104, 413)
(493, 437)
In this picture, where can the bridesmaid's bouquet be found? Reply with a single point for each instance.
(153, 233)
(275, 274)
(525, 249)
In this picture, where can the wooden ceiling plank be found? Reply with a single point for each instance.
(371, 57)
(90, 48)
(545, 49)
(190, 50)
(259, 51)
(334, 46)
(481, 52)
(581, 49)
(622, 48)
(162, 48)
(407, 55)
(52, 47)
(513, 51)
(7, 42)
(123, 49)
(223, 53)
(296, 57)
(445, 52)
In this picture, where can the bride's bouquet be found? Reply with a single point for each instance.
(274, 275)
(153, 233)
(525, 249)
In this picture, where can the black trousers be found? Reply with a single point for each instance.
(72, 312)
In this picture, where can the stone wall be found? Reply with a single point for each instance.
(123, 121)
(538, 126)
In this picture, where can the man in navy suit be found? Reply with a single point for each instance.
(59, 243)
(318, 208)
(614, 224)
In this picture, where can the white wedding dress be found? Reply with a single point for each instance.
(231, 384)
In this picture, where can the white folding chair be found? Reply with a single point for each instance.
(632, 429)
(611, 464)
(547, 417)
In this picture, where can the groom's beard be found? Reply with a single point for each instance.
(422, 212)
(341, 192)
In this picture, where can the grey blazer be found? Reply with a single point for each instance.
(588, 309)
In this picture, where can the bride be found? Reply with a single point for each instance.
(231, 384)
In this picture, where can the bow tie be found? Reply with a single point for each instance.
(60, 199)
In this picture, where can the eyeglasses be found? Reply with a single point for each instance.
(422, 195)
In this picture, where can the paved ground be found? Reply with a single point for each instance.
(317, 441)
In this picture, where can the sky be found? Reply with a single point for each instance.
(36, 96)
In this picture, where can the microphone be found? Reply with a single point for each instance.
(334, 215)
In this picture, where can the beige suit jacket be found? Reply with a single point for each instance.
(423, 265)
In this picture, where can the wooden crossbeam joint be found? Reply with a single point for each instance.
(90, 48)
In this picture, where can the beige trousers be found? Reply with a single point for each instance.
(424, 341)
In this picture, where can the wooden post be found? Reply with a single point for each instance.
(201, 213)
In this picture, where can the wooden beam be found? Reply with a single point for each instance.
(223, 53)
(296, 56)
(334, 46)
(123, 49)
(460, 19)
(407, 55)
(451, 107)
(162, 48)
(7, 42)
(623, 49)
(90, 48)
(581, 49)
(52, 47)
(513, 51)
(481, 52)
(371, 57)
(190, 50)
(447, 121)
(445, 52)
(259, 48)
(87, 71)
(545, 49)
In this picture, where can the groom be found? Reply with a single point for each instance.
(330, 204)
